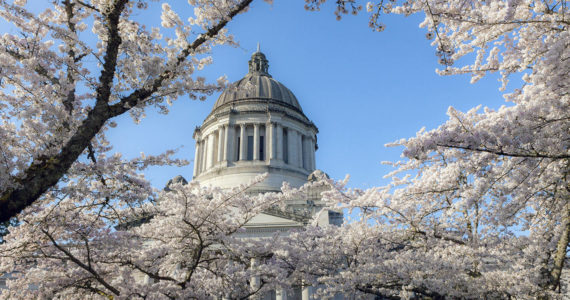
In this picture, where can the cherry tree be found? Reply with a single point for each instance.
(480, 206)
(477, 208)
(183, 245)
(77, 65)
(92, 226)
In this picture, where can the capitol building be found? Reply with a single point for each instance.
(257, 127)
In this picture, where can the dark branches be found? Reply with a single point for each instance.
(45, 172)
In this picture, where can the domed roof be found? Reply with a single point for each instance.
(258, 85)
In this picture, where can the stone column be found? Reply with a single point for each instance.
(292, 147)
(242, 143)
(305, 144)
(281, 294)
(225, 143)
(312, 151)
(211, 151)
(300, 150)
(229, 144)
(279, 142)
(196, 158)
(221, 143)
(307, 292)
(309, 155)
(256, 141)
(308, 152)
(269, 141)
(199, 158)
(204, 153)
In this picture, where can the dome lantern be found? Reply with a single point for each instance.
(258, 64)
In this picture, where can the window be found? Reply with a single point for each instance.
(262, 148)
(285, 146)
(238, 147)
(250, 147)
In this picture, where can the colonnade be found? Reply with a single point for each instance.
(270, 142)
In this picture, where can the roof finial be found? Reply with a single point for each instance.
(258, 47)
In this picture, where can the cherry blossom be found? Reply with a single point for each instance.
(480, 206)
(77, 65)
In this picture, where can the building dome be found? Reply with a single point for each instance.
(256, 126)
(257, 86)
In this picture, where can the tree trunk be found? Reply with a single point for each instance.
(560, 254)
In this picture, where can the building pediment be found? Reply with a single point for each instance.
(273, 220)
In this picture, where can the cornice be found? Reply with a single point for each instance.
(214, 117)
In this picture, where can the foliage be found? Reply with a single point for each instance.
(68, 72)
(187, 247)
(4, 228)
(480, 206)
(79, 64)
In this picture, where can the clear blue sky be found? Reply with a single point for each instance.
(361, 88)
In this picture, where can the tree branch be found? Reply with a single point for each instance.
(44, 172)
(39, 69)
(81, 264)
(503, 153)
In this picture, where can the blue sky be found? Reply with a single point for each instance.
(361, 88)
